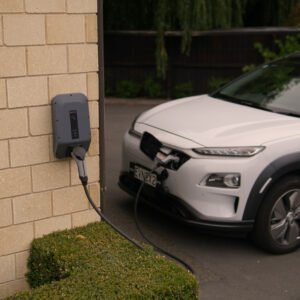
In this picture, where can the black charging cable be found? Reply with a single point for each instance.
(78, 154)
(138, 226)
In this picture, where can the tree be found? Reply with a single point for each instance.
(192, 15)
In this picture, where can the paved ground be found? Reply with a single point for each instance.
(227, 267)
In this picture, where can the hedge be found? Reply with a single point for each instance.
(94, 262)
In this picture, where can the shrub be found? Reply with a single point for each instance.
(128, 89)
(184, 89)
(94, 262)
(153, 89)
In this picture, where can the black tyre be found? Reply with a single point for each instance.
(277, 227)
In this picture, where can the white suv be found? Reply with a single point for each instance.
(237, 153)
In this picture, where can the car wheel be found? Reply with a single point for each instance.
(277, 227)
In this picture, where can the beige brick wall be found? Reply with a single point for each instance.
(47, 47)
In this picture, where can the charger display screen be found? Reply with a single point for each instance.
(74, 124)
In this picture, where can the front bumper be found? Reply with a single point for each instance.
(176, 207)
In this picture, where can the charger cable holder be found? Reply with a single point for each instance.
(78, 154)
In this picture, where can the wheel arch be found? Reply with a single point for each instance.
(278, 169)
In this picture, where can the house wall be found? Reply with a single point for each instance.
(47, 47)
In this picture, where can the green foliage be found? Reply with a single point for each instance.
(288, 45)
(248, 68)
(152, 89)
(216, 82)
(128, 89)
(285, 46)
(184, 89)
(94, 262)
(193, 15)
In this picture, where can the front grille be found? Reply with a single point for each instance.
(156, 197)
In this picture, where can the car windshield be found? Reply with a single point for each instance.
(274, 86)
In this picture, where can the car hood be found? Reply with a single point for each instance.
(212, 122)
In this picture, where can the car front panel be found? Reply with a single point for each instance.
(188, 183)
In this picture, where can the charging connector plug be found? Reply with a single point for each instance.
(165, 159)
(78, 155)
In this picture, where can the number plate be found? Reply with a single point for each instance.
(145, 176)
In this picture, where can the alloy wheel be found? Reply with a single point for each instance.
(285, 218)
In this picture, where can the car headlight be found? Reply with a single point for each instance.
(230, 151)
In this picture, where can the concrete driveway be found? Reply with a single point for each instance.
(227, 267)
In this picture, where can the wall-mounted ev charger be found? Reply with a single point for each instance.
(71, 129)
(71, 124)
